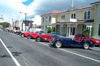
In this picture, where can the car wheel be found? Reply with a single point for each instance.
(29, 37)
(38, 39)
(86, 46)
(22, 35)
(58, 44)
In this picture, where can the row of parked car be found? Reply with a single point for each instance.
(58, 41)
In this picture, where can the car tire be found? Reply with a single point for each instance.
(22, 35)
(29, 37)
(58, 44)
(38, 39)
(86, 46)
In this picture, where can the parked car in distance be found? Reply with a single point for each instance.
(47, 37)
(70, 42)
(80, 37)
(18, 32)
(34, 35)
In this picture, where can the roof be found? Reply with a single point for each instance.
(58, 12)
(79, 21)
(95, 2)
(86, 7)
(54, 12)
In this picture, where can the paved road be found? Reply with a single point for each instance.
(27, 52)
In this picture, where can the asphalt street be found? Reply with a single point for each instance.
(27, 52)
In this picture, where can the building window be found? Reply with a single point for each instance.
(49, 18)
(87, 15)
(99, 29)
(46, 28)
(63, 17)
(99, 11)
(46, 18)
(42, 19)
(42, 27)
(73, 16)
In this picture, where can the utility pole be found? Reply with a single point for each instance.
(72, 3)
(25, 15)
(25, 20)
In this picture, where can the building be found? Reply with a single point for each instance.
(74, 20)
(27, 25)
(18, 25)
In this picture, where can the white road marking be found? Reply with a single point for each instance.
(24, 60)
(80, 55)
(14, 59)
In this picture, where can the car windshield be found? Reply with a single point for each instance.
(54, 33)
(57, 35)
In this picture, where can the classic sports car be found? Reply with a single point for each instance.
(47, 37)
(69, 42)
(34, 35)
(24, 34)
(94, 41)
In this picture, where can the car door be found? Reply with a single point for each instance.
(26, 34)
(77, 42)
(48, 37)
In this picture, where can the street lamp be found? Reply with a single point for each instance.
(25, 20)
(25, 14)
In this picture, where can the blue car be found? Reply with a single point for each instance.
(70, 42)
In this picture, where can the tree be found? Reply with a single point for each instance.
(86, 32)
(49, 30)
(5, 24)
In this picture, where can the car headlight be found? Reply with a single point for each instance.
(97, 41)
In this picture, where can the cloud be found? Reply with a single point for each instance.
(8, 8)
(43, 6)
(37, 20)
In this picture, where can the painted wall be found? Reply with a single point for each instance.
(46, 20)
(96, 21)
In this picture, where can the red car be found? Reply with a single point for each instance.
(24, 34)
(47, 37)
(80, 37)
(34, 35)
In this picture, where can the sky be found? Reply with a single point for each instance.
(10, 9)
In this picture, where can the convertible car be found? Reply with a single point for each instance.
(47, 37)
(70, 42)
(93, 40)
(34, 35)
